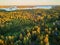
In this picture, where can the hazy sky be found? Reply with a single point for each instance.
(29, 2)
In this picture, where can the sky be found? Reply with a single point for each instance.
(29, 2)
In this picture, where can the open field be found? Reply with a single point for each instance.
(30, 27)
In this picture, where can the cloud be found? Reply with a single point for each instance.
(29, 2)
